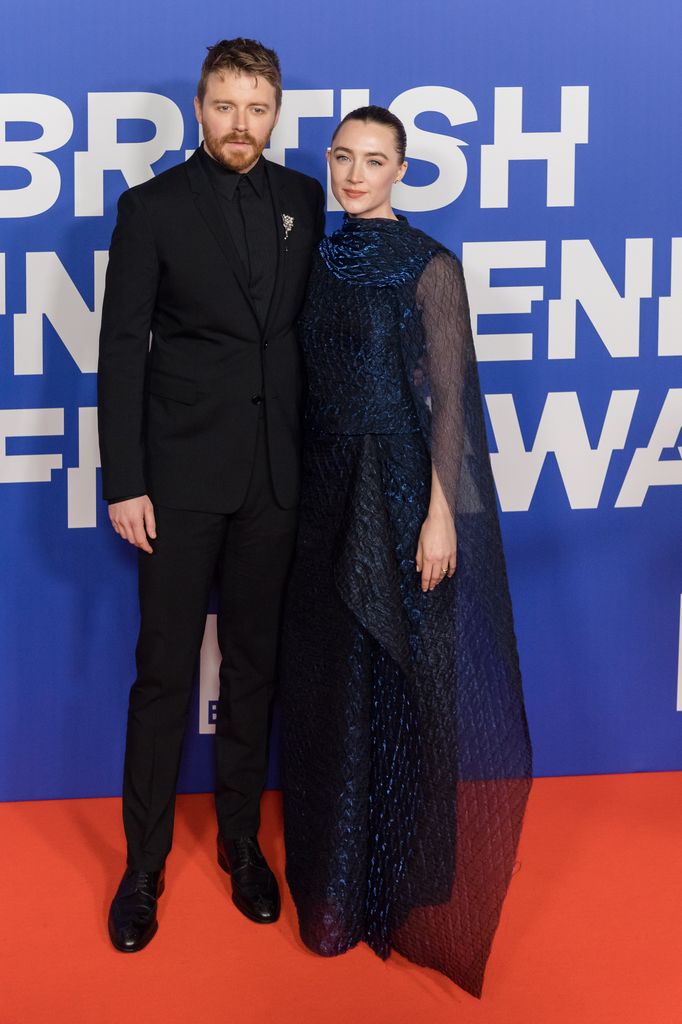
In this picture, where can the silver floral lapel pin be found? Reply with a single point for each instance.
(288, 222)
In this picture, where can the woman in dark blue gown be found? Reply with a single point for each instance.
(406, 754)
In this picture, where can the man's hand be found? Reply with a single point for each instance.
(134, 521)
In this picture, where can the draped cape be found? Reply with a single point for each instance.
(407, 759)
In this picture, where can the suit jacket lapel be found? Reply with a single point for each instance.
(208, 207)
(278, 193)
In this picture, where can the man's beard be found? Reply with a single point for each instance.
(234, 161)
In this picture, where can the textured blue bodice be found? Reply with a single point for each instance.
(358, 384)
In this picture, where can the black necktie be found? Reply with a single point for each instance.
(242, 186)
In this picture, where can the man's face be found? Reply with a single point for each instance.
(237, 115)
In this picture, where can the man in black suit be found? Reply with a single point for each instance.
(199, 388)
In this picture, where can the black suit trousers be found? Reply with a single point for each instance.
(250, 550)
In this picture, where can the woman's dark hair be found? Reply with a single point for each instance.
(378, 115)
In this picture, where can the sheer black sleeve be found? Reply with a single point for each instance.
(440, 374)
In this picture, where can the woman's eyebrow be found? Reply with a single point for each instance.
(346, 150)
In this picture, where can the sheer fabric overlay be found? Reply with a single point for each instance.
(407, 760)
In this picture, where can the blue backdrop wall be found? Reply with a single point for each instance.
(544, 149)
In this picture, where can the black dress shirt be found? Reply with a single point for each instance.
(246, 205)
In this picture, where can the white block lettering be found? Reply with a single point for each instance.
(51, 292)
(647, 469)
(561, 430)
(584, 279)
(133, 159)
(670, 307)
(29, 469)
(209, 678)
(556, 148)
(297, 103)
(82, 479)
(478, 259)
(442, 150)
(56, 121)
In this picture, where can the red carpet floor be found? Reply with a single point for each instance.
(591, 932)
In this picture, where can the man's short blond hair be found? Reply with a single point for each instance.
(241, 57)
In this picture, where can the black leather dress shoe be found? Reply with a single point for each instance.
(132, 917)
(254, 887)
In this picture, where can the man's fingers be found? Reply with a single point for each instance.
(120, 528)
(134, 520)
(133, 530)
(127, 532)
(150, 521)
(140, 537)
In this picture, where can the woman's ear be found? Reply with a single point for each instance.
(401, 172)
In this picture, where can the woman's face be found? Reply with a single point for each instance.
(364, 166)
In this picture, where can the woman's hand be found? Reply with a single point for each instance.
(437, 547)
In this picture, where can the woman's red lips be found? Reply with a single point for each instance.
(353, 193)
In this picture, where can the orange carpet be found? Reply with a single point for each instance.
(591, 932)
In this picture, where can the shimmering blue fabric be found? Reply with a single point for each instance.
(406, 751)
(376, 254)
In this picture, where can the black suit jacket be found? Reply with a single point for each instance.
(178, 417)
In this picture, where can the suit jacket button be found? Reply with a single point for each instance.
(256, 399)
(265, 344)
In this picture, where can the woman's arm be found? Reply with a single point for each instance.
(437, 547)
(441, 295)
